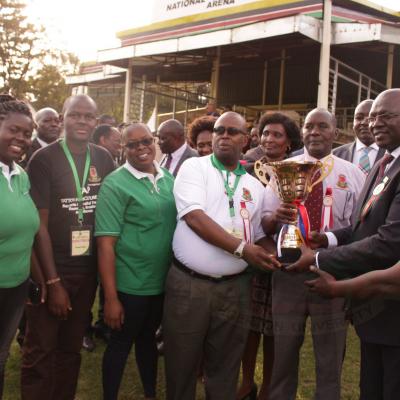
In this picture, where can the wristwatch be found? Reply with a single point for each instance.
(238, 253)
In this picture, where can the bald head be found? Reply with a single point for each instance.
(48, 124)
(171, 135)
(325, 112)
(232, 116)
(82, 98)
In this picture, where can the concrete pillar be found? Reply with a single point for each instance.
(215, 75)
(264, 87)
(156, 100)
(128, 91)
(389, 70)
(141, 112)
(323, 82)
(282, 79)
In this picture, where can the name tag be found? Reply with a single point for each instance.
(81, 241)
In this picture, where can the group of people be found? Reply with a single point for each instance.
(186, 245)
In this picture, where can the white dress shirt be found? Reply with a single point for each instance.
(359, 149)
(42, 143)
(176, 156)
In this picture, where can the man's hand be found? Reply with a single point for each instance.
(318, 240)
(58, 301)
(286, 213)
(113, 313)
(303, 263)
(255, 255)
(324, 285)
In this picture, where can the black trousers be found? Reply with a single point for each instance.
(12, 301)
(380, 372)
(142, 318)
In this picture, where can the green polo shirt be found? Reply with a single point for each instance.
(19, 222)
(143, 216)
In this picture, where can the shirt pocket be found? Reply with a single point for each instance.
(343, 205)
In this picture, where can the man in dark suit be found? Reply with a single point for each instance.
(172, 141)
(48, 130)
(363, 151)
(372, 243)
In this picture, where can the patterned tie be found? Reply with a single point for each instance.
(169, 161)
(387, 159)
(363, 163)
(313, 204)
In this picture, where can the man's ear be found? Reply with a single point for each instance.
(336, 133)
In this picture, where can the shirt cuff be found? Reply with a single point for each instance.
(332, 239)
(316, 260)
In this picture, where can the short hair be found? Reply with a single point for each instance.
(201, 124)
(134, 125)
(101, 131)
(291, 128)
(9, 104)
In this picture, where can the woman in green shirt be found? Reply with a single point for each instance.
(135, 223)
(19, 220)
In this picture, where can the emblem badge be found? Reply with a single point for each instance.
(93, 177)
(342, 182)
(247, 195)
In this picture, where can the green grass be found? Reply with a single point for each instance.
(90, 377)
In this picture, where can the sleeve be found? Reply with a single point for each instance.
(190, 188)
(271, 201)
(110, 209)
(39, 172)
(258, 230)
(378, 251)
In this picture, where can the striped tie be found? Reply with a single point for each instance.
(364, 164)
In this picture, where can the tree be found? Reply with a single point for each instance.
(20, 47)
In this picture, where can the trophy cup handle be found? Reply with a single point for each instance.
(325, 169)
(260, 171)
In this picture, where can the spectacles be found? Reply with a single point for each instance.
(220, 130)
(385, 117)
(135, 145)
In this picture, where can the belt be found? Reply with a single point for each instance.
(197, 275)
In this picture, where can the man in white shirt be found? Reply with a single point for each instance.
(207, 291)
(372, 242)
(172, 141)
(363, 152)
(291, 301)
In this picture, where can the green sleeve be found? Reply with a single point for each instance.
(110, 208)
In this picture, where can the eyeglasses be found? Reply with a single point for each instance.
(220, 130)
(385, 117)
(135, 145)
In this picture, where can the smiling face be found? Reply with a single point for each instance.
(204, 143)
(15, 136)
(275, 141)
(139, 154)
(319, 131)
(360, 123)
(386, 129)
(79, 118)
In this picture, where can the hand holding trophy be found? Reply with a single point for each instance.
(292, 181)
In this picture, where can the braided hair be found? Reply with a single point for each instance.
(9, 104)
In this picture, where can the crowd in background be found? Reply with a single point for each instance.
(182, 250)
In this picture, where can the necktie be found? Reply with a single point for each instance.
(168, 162)
(363, 163)
(313, 204)
(387, 159)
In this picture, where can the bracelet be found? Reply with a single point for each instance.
(53, 281)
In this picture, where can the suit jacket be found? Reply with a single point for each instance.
(34, 147)
(346, 151)
(188, 153)
(369, 244)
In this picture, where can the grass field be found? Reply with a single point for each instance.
(90, 377)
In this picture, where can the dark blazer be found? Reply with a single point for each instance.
(370, 244)
(188, 153)
(346, 151)
(34, 147)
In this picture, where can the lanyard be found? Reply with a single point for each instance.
(78, 185)
(230, 191)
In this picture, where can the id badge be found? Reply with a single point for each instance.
(81, 240)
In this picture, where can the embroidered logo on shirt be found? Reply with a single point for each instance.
(342, 182)
(93, 177)
(247, 195)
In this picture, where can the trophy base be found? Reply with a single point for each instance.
(289, 256)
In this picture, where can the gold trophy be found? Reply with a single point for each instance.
(292, 181)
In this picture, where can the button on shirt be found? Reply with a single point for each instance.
(200, 186)
(358, 152)
(176, 156)
(346, 181)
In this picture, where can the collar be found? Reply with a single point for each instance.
(360, 145)
(307, 156)
(8, 174)
(395, 153)
(141, 175)
(42, 142)
(239, 170)
(177, 154)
